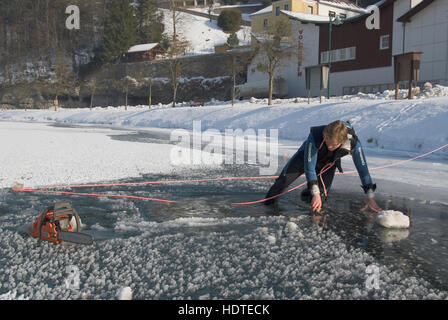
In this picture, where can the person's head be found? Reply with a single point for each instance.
(335, 134)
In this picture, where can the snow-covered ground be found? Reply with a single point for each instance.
(202, 34)
(204, 255)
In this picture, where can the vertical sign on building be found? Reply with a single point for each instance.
(300, 53)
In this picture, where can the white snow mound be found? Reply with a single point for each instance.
(393, 219)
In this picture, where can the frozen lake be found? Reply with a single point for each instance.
(205, 248)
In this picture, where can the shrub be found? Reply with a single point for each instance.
(233, 40)
(230, 20)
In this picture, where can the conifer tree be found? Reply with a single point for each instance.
(149, 21)
(120, 31)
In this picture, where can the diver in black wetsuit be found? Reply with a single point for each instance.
(318, 158)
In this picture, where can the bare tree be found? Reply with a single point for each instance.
(148, 83)
(178, 47)
(211, 7)
(92, 84)
(237, 66)
(125, 84)
(63, 78)
(273, 48)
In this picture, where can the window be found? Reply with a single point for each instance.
(334, 56)
(286, 6)
(265, 23)
(324, 57)
(342, 16)
(277, 11)
(331, 14)
(384, 42)
(310, 9)
(351, 53)
(342, 54)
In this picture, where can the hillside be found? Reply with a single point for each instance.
(202, 33)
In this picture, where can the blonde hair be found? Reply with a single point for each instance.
(336, 130)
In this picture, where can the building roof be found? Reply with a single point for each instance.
(365, 13)
(268, 9)
(343, 4)
(408, 15)
(306, 17)
(142, 47)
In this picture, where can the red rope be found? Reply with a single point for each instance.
(45, 189)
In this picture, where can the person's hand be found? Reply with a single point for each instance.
(316, 203)
(372, 205)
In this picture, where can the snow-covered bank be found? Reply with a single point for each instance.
(417, 125)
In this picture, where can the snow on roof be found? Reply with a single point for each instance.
(240, 5)
(343, 4)
(142, 47)
(306, 17)
(268, 9)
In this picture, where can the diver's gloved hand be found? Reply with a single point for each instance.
(371, 203)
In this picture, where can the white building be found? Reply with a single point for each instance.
(422, 25)
(362, 59)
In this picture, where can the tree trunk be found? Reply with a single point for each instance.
(233, 90)
(56, 103)
(126, 100)
(271, 88)
(174, 95)
(150, 94)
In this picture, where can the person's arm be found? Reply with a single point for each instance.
(310, 160)
(368, 186)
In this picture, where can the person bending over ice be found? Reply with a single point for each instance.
(318, 158)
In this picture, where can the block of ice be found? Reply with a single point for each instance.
(393, 219)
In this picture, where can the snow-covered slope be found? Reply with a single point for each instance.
(202, 33)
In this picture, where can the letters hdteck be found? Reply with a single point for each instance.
(231, 309)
